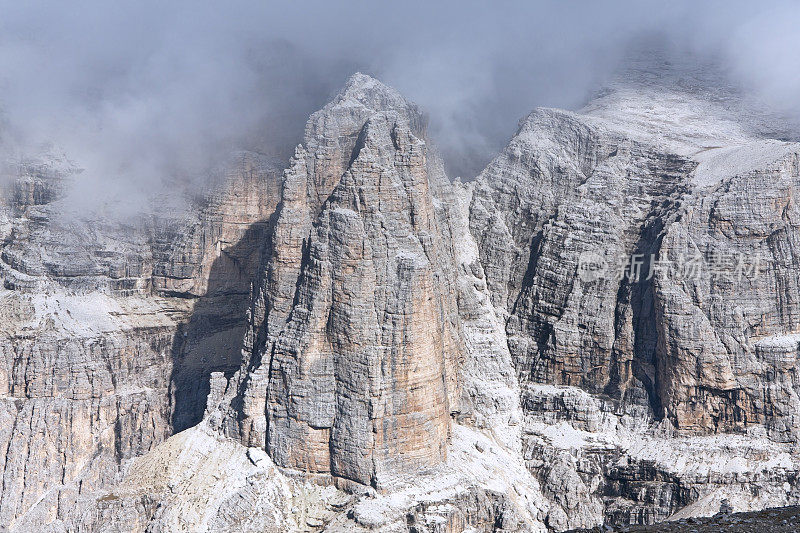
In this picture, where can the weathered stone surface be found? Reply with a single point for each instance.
(728, 341)
(438, 350)
(213, 261)
(599, 467)
(101, 359)
(86, 381)
(353, 346)
(568, 185)
(196, 481)
(565, 187)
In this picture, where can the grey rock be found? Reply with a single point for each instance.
(108, 335)
(360, 344)
(353, 351)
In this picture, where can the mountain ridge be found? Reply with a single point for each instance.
(398, 352)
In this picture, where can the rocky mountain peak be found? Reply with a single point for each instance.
(438, 355)
(335, 134)
(370, 92)
(361, 97)
(359, 261)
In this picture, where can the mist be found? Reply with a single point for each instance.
(146, 95)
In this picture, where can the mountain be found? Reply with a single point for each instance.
(602, 328)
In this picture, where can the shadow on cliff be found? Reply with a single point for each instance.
(211, 339)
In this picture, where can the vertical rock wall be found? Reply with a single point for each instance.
(353, 362)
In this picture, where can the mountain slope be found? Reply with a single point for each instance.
(438, 356)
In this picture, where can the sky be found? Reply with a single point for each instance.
(146, 94)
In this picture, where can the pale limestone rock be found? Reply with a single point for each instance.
(196, 481)
(727, 349)
(430, 347)
(99, 361)
(564, 187)
(353, 351)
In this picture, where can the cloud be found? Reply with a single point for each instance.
(147, 93)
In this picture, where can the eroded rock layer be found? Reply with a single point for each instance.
(354, 350)
(110, 330)
(728, 341)
(601, 328)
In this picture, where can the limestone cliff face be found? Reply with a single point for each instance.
(354, 351)
(704, 341)
(710, 349)
(564, 187)
(728, 337)
(212, 259)
(440, 351)
(224, 233)
(395, 306)
(108, 333)
(86, 381)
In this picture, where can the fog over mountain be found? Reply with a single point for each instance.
(242, 288)
(142, 94)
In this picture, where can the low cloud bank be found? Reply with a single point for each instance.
(150, 94)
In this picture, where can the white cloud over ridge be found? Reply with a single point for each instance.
(138, 93)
